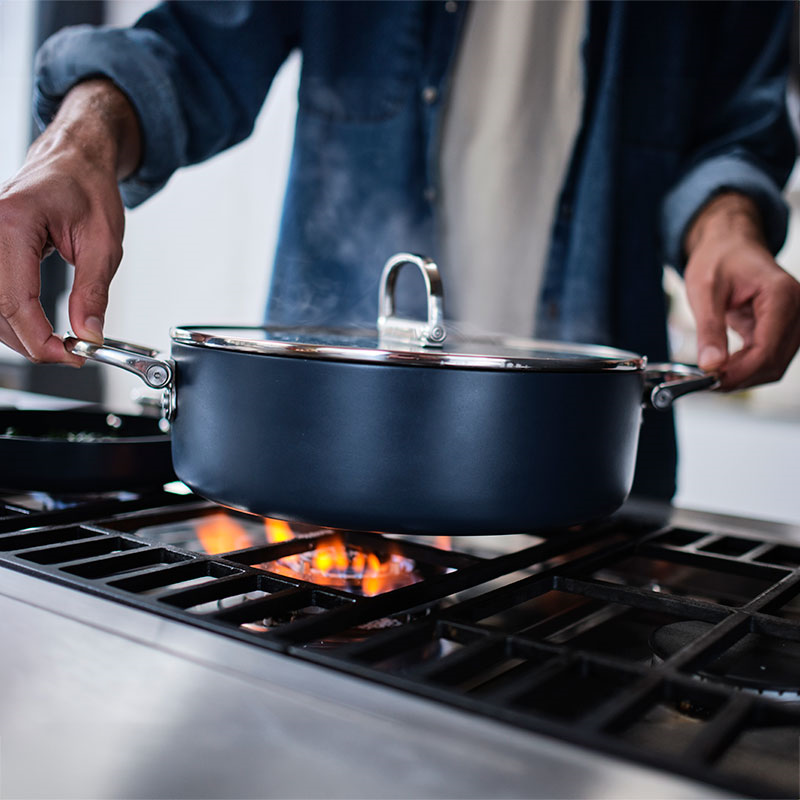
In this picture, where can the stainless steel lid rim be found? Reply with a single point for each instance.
(534, 355)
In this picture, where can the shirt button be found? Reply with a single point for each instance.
(430, 94)
(429, 194)
(451, 6)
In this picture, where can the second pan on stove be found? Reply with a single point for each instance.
(77, 450)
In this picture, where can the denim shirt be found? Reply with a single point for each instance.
(683, 101)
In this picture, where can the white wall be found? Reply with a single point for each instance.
(201, 250)
(16, 41)
(736, 460)
(16, 54)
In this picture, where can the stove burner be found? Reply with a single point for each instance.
(43, 501)
(336, 561)
(356, 634)
(344, 566)
(755, 663)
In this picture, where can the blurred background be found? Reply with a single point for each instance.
(201, 250)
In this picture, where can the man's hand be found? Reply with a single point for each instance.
(66, 197)
(732, 281)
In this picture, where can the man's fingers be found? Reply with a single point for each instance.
(752, 366)
(89, 297)
(30, 332)
(708, 299)
(23, 324)
(9, 338)
(773, 341)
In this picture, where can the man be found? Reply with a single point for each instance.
(677, 152)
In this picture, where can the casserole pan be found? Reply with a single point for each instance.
(405, 428)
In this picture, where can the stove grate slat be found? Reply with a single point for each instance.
(642, 598)
(164, 578)
(273, 605)
(719, 562)
(226, 586)
(78, 552)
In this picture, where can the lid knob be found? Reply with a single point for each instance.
(398, 330)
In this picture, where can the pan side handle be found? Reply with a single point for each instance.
(664, 383)
(142, 361)
(158, 373)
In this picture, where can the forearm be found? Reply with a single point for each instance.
(96, 122)
(195, 73)
(730, 214)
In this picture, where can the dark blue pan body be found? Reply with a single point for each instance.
(407, 449)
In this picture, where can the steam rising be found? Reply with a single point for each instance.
(339, 229)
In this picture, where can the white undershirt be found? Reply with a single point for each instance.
(509, 128)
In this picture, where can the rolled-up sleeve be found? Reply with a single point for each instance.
(196, 73)
(730, 172)
(744, 140)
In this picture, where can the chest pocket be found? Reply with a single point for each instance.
(361, 61)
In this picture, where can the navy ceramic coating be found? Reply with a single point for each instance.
(404, 448)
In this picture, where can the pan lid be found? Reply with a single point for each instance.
(486, 352)
(411, 342)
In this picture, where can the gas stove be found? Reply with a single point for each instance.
(158, 645)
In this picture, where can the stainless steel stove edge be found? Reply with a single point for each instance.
(98, 699)
(709, 521)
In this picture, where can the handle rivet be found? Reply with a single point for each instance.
(156, 376)
(662, 399)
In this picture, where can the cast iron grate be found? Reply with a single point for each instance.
(672, 647)
(27, 508)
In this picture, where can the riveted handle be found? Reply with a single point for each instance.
(397, 330)
(157, 373)
(664, 383)
(141, 361)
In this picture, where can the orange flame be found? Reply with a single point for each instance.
(378, 576)
(335, 563)
(444, 542)
(277, 530)
(221, 533)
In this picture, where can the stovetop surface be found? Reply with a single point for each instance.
(666, 639)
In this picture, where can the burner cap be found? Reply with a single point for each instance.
(755, 662)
